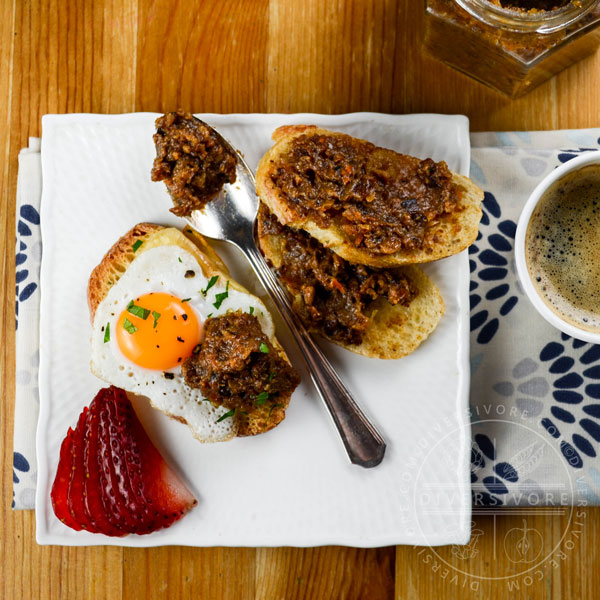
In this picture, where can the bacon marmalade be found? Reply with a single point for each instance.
(191, 160)
(237, 366)
(336, 297)
(382, 200)
(532, 5)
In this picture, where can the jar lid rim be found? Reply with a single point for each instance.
(524, 21)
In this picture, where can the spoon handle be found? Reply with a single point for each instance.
(363, 443)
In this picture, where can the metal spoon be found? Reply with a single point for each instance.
(231, 217)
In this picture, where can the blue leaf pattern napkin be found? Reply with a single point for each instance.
(27, 321)
(535, 393)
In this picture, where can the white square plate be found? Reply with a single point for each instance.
(294, 485)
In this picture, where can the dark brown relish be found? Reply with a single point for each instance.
(336, 297)
(382, 200)
(191, 160)
(237, 366)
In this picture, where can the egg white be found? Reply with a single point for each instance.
(163, 269)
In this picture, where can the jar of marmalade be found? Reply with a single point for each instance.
(511, 45)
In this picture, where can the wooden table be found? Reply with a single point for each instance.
(225, 56)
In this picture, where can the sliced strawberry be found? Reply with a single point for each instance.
(153, 482)
(133, 505)
(60, 487)
(110, 477)
(107, 481)
(118, 512)
(95, 508)
(75, 493)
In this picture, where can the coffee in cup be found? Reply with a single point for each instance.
(562, 247)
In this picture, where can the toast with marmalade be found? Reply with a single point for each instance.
(379, 313)
(370, 205)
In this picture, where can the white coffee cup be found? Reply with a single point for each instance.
(587, 158)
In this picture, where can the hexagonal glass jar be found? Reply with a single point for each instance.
(508, 48)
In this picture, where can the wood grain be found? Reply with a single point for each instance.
(325, 573)
(245, 56)
(204, 56)
(189, 573)
(489, 568)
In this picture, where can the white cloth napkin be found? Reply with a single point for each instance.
(535, 393)
(28, 260)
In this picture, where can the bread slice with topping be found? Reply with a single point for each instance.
(205, 418)
(370, 205)
(327, 292)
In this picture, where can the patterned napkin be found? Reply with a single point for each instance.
(535, 393)
(28, 260)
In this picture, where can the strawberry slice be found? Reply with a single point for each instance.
(75, 492)
(133, 511)
(110, 456)
(60, 487)
(107, 482)
(152, 481)
(110, 477)
(96, 509)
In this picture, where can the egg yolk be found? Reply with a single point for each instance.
(157, 331)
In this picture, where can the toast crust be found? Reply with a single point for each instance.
(394, 331)
(454, 232)
(121, 254)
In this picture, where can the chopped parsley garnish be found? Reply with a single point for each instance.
(209, 315)
(264, 348)
(219, 298)
(179, 259)
(251, 310)
(226, 415)
(186, 299)
(156, 317)
(211, 282)
(129, 326)
(262, 398)
(137, 244)
(107, 333)
(137, 311)
(271, 376)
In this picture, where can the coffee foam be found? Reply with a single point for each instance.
(562, 248)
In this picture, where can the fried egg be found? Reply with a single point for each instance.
(152, 318)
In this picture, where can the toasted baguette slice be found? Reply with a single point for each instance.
(394, 331)
(451, 232)
(115, 263)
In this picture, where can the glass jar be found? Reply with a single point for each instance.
(511, 49)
